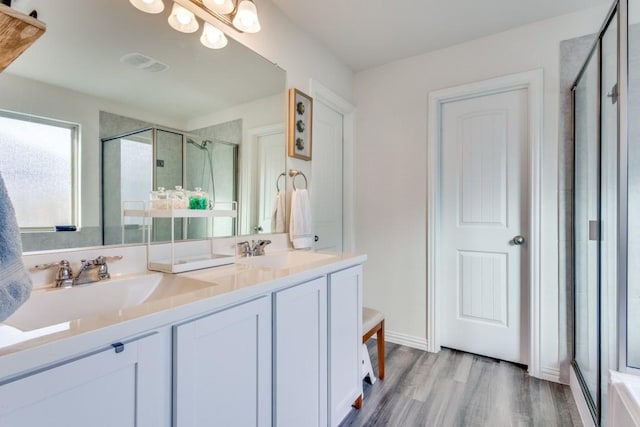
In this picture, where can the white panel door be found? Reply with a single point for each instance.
(484, 203)
(326, 196)
(271, 163)
(222, 368)
(300, 328)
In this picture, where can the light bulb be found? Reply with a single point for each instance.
(212, 37)
(183, 20)
(148, 6)
(246, 18)
(221, 6)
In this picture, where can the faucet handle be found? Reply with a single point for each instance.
(103, 269)
(63, 263)
(245, 247)
(64, 276)
(102, 260)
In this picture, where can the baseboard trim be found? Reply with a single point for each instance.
(581, 403)
(406, 340)
(550, 374)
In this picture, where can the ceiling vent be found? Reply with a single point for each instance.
(143, 62)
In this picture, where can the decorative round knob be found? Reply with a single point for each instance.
(518, 240)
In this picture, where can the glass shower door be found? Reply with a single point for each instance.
(586, 231)
(596, 220)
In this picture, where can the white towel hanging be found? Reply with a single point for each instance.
(301, 224)
(278, 213)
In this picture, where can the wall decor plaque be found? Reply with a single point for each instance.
(300, 116)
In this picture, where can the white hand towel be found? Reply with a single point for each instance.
(15, 283)
(277, 213)
(300, 224)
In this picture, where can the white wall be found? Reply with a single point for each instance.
(391, 163)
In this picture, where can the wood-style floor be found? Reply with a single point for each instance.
(453, 388)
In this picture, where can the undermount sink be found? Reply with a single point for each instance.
(52, 306)
(289, 259)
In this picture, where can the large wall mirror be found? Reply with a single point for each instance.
(141, 106)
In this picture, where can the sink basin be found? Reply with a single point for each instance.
(53, 306)
(290, 259)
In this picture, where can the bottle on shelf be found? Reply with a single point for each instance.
(159, 199)
(198, 199)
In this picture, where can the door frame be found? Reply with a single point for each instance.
(326, 96)
(532, 81)
(247, 157)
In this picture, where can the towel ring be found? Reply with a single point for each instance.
(293, 174)
(278, 180)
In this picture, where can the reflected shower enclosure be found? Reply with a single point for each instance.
(136, 162)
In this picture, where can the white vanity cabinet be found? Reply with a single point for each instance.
(122, 385)
(300, 352)
(222, 368)
(345, 341)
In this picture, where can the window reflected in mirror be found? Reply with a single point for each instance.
(38, 163)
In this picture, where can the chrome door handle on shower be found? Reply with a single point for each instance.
(518, 240)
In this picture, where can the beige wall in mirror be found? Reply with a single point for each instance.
(215, 117)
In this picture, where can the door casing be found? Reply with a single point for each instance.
(532, 81)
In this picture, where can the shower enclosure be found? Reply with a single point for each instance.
(606, 207)
(136, 162)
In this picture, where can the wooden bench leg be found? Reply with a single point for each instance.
(380, 345)
(358, 403)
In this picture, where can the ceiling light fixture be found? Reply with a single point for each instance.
(246, 17)
(183, 20)
(221, 6)
(149, 6)
(212, 37)
(241, 15)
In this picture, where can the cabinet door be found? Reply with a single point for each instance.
(300, 328)
(222, 372)
(345, 341)
(102, 389)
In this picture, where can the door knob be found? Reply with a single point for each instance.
(518, 240)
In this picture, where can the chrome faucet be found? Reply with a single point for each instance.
(94, 270)
(254, 248)
(90, 271)
(258, 247)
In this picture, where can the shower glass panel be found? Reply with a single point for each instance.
(167, 174)
(586, 219)
(126, 176)
(633, 287)
(213, 166)
(609, 208)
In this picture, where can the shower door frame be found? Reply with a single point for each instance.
(620, 7)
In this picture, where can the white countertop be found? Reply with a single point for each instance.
(229, 285)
